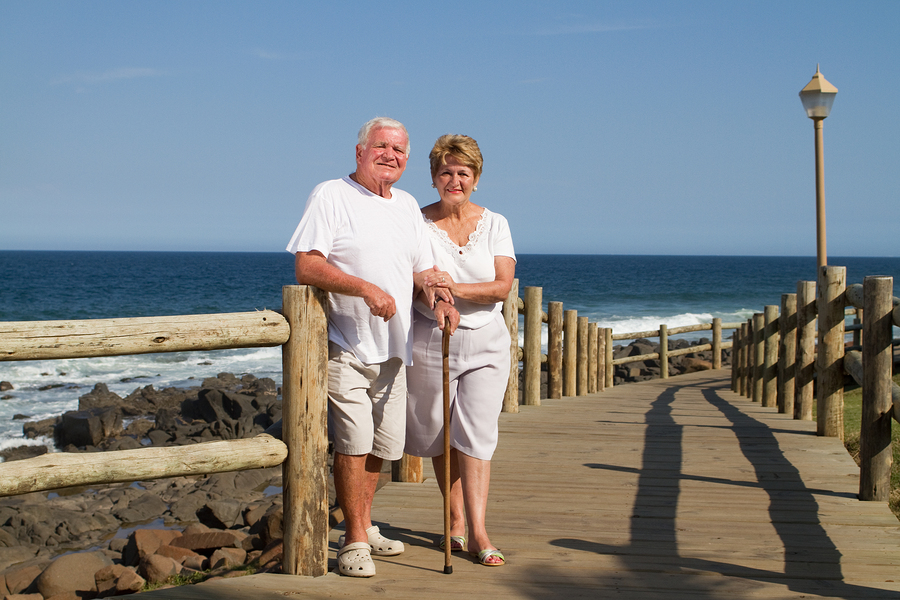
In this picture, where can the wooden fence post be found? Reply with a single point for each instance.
(742, 361)
(601, 359)
(570, 353)
(664, 351)
(304, 421)
(759, 355)
(735, 357)
(592, 358)
(582, 363)
(717, 343)
(608, 360)
(407, 470)
(787, 353)
(554, 349)
(511, 317)
(532, 355)
(877, 406)
(830, 355)
(751, 359)
(770, 360)
(806, 350)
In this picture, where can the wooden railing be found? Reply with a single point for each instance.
(780, 354)
(580, 353)
(579, 361)
(300, 329)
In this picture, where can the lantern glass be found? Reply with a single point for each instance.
(817, 104)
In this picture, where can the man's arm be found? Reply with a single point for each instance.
(311, 268)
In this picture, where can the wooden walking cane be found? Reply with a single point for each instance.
(445, 352)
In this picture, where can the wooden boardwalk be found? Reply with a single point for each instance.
(676, 489)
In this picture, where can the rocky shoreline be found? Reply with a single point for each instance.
(115, 539)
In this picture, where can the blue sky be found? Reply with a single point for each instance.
(606, 127)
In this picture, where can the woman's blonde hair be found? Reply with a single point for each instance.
(462, 148)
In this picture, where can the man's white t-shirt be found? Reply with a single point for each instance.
(380, 240)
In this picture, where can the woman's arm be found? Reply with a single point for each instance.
(488, 292)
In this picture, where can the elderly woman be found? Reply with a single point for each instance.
(476, 264)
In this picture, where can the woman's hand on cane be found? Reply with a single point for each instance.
(445, 314)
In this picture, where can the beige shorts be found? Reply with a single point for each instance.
(366, 405)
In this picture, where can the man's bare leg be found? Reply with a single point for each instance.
(355, 481)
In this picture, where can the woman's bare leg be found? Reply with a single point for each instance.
(475, 475)
(457, 505)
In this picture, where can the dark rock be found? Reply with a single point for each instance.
(117, 580)
(99, 397)
(15, 555)
(157, 568)
(88, 427)
(176, 553)
(220, 514)
(144, 542)
(22, 452)
(143, 508)
(185, 509)
(72, 573)
(197, 562)
(273, 525)
(51, 386)
(139, 428)
(209, 541)
(148, 400)
(223, 381)
(22, 579)
(42, 428)
(5, 386)
(692, 365)
(227, 558)
(253, 513)
(159, 437)
(230, 414)
(272, 555)
(123, 443)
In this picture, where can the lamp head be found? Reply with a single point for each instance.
(818, 96)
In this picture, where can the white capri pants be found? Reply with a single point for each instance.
(479, 373)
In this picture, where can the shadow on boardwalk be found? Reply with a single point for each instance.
(669, 489)
(812, 562)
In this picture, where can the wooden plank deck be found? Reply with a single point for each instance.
(672, 489)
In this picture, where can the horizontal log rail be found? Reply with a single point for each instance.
(62, 469)
(300, 329)
(42, 340)
(806, 342)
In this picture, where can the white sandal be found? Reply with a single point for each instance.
(378, 544)
(355, 560)
(381, 546)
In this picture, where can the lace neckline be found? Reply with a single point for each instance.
(459, 253)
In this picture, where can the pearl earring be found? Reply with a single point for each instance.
(434, 186)
(475, 189)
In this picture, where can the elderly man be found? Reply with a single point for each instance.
(363, 240)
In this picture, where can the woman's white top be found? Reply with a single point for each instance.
(472, 263)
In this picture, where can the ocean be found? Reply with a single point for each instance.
(627, 293)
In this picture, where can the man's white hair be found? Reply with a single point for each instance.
(381, 123)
